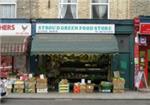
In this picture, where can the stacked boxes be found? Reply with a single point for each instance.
(9, 86)
(118, 83)
(41, 85)
(18, 86)
(64, 86)
(83, 88)
(89, 88)
(30, 85)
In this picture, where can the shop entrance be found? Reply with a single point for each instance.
(74, 67)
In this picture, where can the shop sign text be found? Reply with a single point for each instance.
(75, 28)
(145, 28)
(11, 29)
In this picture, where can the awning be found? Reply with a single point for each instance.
(12, 45)
(73, 43)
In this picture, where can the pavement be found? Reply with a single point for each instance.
(128, 95)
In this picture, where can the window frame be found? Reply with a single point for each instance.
(60, 3)
(10, 3)
(100, 4)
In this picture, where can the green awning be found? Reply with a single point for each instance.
(73, 43)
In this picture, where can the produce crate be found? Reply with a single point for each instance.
(18, 90)
(41, 85)
(83, 88)
(30, 85)
(18, 86)
(44, 81)
(89, 88)
(64, 88)
(9, 90)
(118, 90)
(42, 90)
(30, 90)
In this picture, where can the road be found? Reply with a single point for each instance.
(74, 102)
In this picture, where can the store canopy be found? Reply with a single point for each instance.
(12, 45)
(73, 43)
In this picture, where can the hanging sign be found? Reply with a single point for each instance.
(13, 29)
(75, 28)
(145, 28)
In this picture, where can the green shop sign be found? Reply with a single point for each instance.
(75, 28)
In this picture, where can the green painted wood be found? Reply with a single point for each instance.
(76, 43)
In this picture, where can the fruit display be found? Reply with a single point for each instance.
(106, 86)
(64, 86)
(18, 86)
(118, 85)
(30, 85)
(41, 85)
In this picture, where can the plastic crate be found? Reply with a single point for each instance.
(64, 88)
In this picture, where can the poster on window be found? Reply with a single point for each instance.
(143, 41)
(138, 78)
(20, 63)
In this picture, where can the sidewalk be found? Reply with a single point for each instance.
(98, 96)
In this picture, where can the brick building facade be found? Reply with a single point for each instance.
(118, 9)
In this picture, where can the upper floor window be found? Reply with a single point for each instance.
(7, 8)
(68, 9)
(99, 9)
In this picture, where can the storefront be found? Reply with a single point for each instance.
(14, 39)
(142, 51)
(77, 49)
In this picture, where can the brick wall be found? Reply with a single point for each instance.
(27, 8)
(119, 9)
(139, 7)
(48, 8)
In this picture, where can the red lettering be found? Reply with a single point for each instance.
(7, 27)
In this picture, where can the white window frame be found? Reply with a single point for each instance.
(108, 4)
(10, 3)
(60, 3)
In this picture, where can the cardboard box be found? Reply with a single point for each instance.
(19, 90)
(29, 84)
(42, 90)
(118, 83)
(19, 86)
(41, 86)
(30, 90)
(116, 74)
(118, 90)
(9, 90)
(82, 88)
(41, 80)
(89, 88)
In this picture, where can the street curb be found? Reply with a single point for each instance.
(70, 96)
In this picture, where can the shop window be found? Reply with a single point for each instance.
(99, 9)
(7, 8)
(123, 43)
(68, 9)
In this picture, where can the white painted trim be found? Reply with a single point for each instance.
(11, 3)
(16, 10)
(108, 13)
(7, 2)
